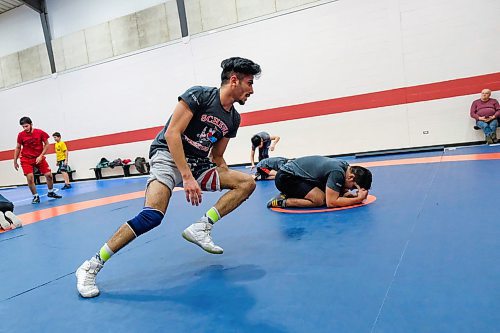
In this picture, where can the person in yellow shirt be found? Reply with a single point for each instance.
(62, 159)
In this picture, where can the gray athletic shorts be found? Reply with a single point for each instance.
(164, 170)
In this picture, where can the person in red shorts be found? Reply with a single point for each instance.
(32, 144)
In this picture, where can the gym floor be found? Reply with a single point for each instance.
(423, 257)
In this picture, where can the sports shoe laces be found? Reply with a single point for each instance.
(203, 233)
(89, 279)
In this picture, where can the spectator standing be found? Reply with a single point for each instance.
(62, 159)
(32, 144)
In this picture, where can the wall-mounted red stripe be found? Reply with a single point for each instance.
(99, 141)
(420, 93)
(115, 139)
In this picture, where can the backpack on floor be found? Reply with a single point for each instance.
(140, 165)
(116, 162)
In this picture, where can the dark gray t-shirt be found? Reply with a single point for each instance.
(326, 171)
(266, 142)
(273, 163)
(209, 124)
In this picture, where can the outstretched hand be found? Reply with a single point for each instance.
(193, 191)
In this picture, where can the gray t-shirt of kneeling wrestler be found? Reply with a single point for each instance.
(325, 171)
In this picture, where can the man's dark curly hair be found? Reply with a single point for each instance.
(239, 67)
(362, 177)
(25, 120)
(256, 141)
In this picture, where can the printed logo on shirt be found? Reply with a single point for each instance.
(194, 98)
(216, 121)
(197, 145)
(208, 134)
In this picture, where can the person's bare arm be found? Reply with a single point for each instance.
(333, 198)
(66, 156)
(252, 158)
(218, 153)
(44, 151)
(17, 151)
(180, 119)
(274, 140)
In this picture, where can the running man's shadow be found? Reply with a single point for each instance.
(213, 293)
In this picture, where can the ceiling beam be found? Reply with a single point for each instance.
(40, 6)
(181, 9)
(48, 41)
(36, 5)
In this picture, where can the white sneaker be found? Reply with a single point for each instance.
(85, 278)
(3, 222)
(199, 233)
(14, 219)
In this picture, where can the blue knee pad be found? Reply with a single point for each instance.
(147, 219)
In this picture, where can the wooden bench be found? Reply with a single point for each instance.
(37, 176)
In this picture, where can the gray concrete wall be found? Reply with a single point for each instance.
(146, 28)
